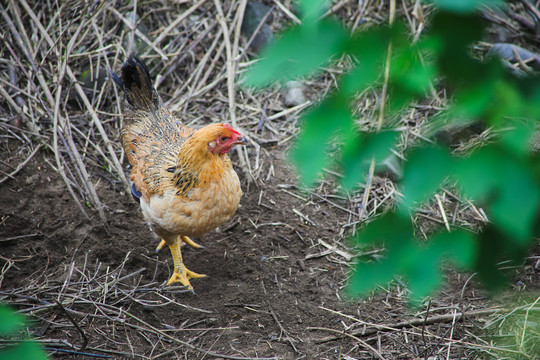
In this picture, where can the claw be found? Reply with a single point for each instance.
(185, 239)
(162, 243)
(190, 242)
(183, 277)
(181, 274)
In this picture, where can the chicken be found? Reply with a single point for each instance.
(182, 178)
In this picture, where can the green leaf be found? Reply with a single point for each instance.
(479, 173)
(367, 276)
(516, 207)
(312, 10)
(509, 104)
(310, 153)
(424, 171)
(472, 102)
(455, 33)
(458, 246)
(424, 274)
(10, 321)
(425, 271)
(27, 350)
(529, 89)
(503, 180)
(492, 246)
(299, 52)
(369, 49)
(393, 231)
(519, 139)
(414, 78)
(463, 6)
(409, 77)
(359, 150)
(419, 263)
(390, 229)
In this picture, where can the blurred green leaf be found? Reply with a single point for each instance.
(413, 77)
(409, 77)
(516, 206)
(390, 229)
(359, 150)
(393, 231)
(310, 153)
(369, 51)
(502, 176)
(312, 10)
(419, 263)
(519, 139)
(368, 275)
(425, 271)
(26, 350)
(493, 248)
(299, 52)
(509, 104)
(424, 171)
(472, 102)
(479, 173)
(455, 33)
(495, 175)
(529, 89)
(458, 246)
(463, 6)
(11, 321)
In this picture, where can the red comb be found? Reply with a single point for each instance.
(228, 127)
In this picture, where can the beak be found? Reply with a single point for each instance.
(241, 141)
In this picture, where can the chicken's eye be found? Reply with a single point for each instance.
(223, 139)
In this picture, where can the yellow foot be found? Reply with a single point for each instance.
(181, 274)
(183, 277)
(190, 242)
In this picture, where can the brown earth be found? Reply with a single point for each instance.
(272, 289)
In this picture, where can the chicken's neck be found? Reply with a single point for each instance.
(196, 167)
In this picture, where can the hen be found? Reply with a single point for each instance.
(182, 178)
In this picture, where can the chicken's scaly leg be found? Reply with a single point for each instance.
(181, 273)
(185, 239)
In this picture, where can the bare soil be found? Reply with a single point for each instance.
(273, 291)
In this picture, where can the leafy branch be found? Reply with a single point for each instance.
(503, 175)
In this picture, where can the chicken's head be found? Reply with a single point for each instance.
(225, 137)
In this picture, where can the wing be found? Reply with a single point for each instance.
(152, 141)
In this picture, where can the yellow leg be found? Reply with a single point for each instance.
(181, 273)
(185, 239)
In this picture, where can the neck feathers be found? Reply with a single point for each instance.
(197, 166)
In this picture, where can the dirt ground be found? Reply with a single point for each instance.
(273, 291)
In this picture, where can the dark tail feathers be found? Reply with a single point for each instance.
(135, 81)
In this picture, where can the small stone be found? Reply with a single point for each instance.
(32, 179)
(293, 92)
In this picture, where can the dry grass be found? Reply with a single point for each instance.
(55, 62)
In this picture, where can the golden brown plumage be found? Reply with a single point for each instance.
(183, 177)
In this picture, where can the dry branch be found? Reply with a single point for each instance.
(374, 328)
